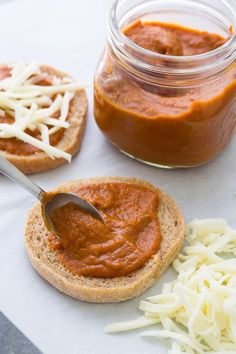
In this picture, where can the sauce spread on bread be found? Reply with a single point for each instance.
(182, 127)
(128, 239)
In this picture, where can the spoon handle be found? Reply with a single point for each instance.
(10, 171)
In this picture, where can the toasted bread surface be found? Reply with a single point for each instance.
(99, 290)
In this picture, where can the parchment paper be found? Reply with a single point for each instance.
(70, 35)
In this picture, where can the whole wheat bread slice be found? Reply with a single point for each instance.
(90, 289)
(70, 142)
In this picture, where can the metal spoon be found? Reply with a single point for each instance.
(58, 200)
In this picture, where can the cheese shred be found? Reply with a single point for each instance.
(34, 106)
(197, 311)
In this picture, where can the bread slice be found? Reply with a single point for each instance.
(70, 142)
(99, 290)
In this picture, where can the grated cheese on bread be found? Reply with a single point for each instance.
(47, 109)
(34, 106)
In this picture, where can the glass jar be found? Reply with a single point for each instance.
(167, 110)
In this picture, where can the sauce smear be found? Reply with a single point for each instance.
(124, 244)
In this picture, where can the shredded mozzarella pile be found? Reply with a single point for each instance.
(198, 310)
(34, 106)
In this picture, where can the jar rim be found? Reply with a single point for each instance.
(226, 51)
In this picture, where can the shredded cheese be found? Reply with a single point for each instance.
(197, 310)
(33, 106)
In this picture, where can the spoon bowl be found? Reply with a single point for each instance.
(48, 204)
(61, 199)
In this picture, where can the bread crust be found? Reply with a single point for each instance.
(70, 142)
(98, 290)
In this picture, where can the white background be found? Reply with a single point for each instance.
(70, 35)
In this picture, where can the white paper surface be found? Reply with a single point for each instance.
(70, 35)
